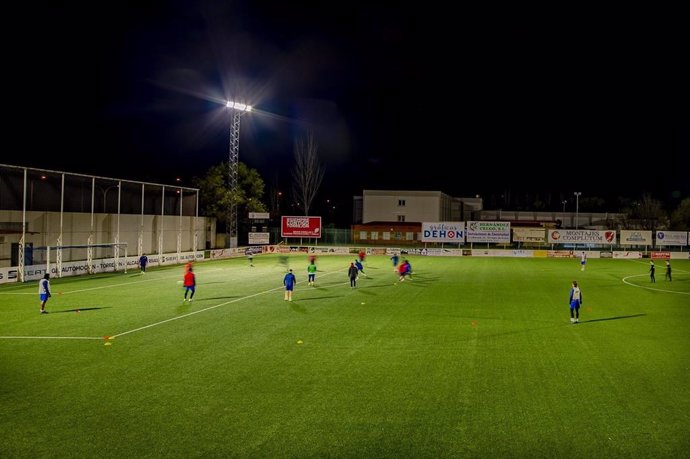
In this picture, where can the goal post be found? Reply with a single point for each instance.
(86, 258)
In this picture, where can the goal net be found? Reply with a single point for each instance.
(69, 260)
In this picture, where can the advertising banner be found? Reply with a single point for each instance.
(529, 235)
(300, 227)
(432, 252)
(259, 215)
(565, 236)
(443, 232)
(488, 231)
(629, 237)
(627, 255)
(671, 238)
(104, 265)
(661, 255)
(226, 253)
(501, 253)
(259, 238)
(8, 275)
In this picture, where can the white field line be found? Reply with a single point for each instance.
(104, 286)
(649, 288)
(661, 266)
(205, 309)
(162, 321)
(194, 312)
(51, 337)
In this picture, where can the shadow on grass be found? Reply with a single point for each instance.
(319, 297)
(184, 307)
(482, 336)
(297, 308)
(80, 309)
(426, 278)
(611, 318)
(418, 283)
(362, 287)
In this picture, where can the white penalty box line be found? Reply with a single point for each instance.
(236, 300)
(140, 328)
(69, 292)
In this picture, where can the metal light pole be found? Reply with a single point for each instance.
(577, 209)
(564, 203)
(237, 110)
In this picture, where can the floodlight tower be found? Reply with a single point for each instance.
(577, 209)
(236, 110)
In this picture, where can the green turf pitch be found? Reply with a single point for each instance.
(473, 357)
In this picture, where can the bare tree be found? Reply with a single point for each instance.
(646, 213)
(308, 171)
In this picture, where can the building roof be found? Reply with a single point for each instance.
(403, 193)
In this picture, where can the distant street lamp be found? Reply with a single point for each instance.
(577, 209)
(564, 202)
(237, 110)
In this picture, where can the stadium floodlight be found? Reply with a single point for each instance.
(238, 106)
(577, 209)
(237, 110)
(564, 202)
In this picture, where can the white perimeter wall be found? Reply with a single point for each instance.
(44, 228)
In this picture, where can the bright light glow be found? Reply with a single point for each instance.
(238, 106)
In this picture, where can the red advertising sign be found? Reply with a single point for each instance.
(300, 227)
(664, 255)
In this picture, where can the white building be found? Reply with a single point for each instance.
(413, 206)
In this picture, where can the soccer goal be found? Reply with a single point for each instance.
(81, 259)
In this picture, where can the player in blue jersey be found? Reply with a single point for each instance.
(395, 259)
(44, 292)
(575, 303)
(143, 261)
(360, 268)
(289, 282)
(583, 260)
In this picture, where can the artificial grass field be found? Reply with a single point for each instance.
(475, 357)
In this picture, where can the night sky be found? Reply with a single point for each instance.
(467, 102)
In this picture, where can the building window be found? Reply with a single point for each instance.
(401, 202)
(401, 218)
(386, 236)
(374, 235)
(363, 235)
(409, 236)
